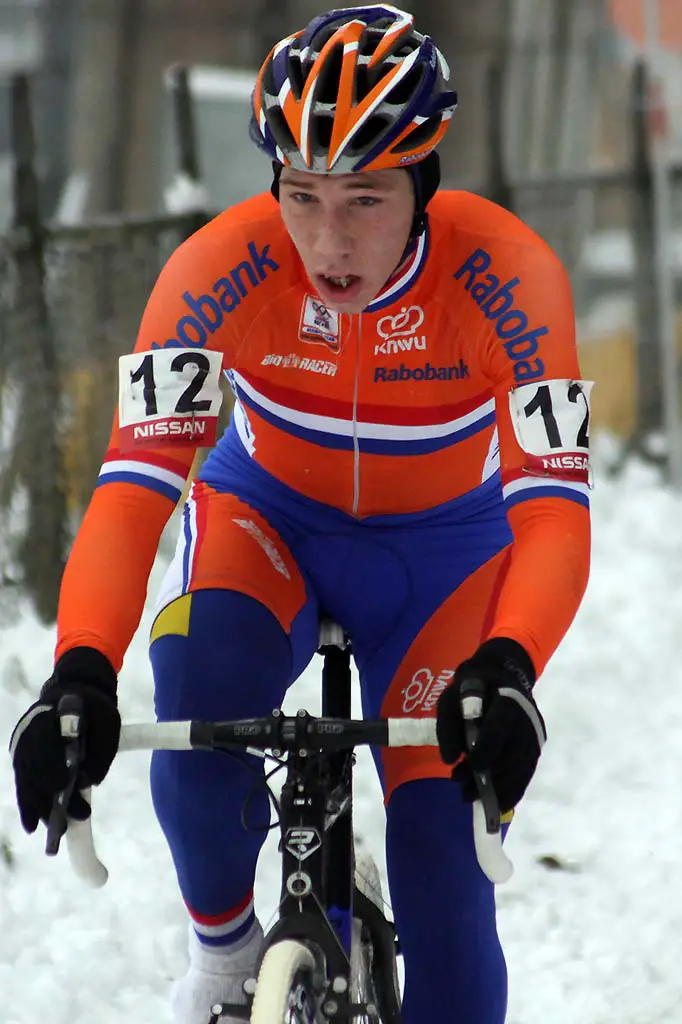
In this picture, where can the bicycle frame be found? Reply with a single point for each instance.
(318, 878)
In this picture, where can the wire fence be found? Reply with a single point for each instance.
(618, 230)
(71, 298)
(68, 309)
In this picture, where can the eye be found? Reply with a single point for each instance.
(367, 201)
(302, 197)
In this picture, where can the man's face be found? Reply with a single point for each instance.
(350, 230)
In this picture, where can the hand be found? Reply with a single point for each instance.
(512, 730)
(36, 745)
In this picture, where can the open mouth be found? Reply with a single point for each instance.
(340, 282)
(340, 286)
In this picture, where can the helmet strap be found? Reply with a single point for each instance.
(425, 180)
(277, 168)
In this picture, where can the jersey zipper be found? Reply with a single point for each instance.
(356, 440)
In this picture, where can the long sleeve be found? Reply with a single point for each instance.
(546, 577)
(542, 411)
(146, 466)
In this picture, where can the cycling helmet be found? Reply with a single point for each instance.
(358, 89)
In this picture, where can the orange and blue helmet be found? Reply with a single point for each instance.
(359, 89)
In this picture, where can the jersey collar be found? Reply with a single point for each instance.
(403, 279)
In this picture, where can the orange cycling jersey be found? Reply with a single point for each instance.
(461, 374)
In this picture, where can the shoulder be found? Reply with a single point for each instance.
(259, 212)
(501, 277)
(475, 225)
(238, 263)
(251, 232)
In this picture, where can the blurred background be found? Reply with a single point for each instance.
(124, 127)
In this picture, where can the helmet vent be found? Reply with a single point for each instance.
(406, 89)
(323, 35)
(327, 88)
(366, 79)
(407, 46)
(421, 135)
(368, 133)
(321, 134)
(277, 124)
(296, 75)
(369, 40)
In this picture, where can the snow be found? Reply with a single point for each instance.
(594, 940)
(185, 195)
(612, 253)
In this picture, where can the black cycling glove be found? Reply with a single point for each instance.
(36, 745)
(512, 730)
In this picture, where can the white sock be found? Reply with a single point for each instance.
(216, 975)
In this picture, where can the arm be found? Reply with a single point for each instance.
(543, 419)
(105, 581)
(164, 385)
(547, 575)
(543, 432)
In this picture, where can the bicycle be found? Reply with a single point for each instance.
(332, 953)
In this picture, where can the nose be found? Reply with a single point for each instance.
(333, 237)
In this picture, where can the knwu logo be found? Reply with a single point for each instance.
(206, 313)
(512, 325)
(424, 689)
(400, 332)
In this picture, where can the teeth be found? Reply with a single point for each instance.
(343, 282)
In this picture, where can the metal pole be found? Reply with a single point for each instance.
(663, 219)
(498, 187)
(187, 146)
(184, 124)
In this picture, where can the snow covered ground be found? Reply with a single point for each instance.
(595, 940)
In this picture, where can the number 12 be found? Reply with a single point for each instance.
(542, 402)
(186, 404)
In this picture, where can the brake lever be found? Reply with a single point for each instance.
(70, 710)
(472, 692)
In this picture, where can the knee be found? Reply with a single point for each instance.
(218, 654)
(430, 831)
(444, 907)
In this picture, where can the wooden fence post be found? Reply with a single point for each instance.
(36, 462)
(647, 317)
(187, 145)
(499, 189)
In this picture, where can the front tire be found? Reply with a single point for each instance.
(374, 972)
(362, 975)
(285, 991)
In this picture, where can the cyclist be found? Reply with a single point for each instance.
(408, 455)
